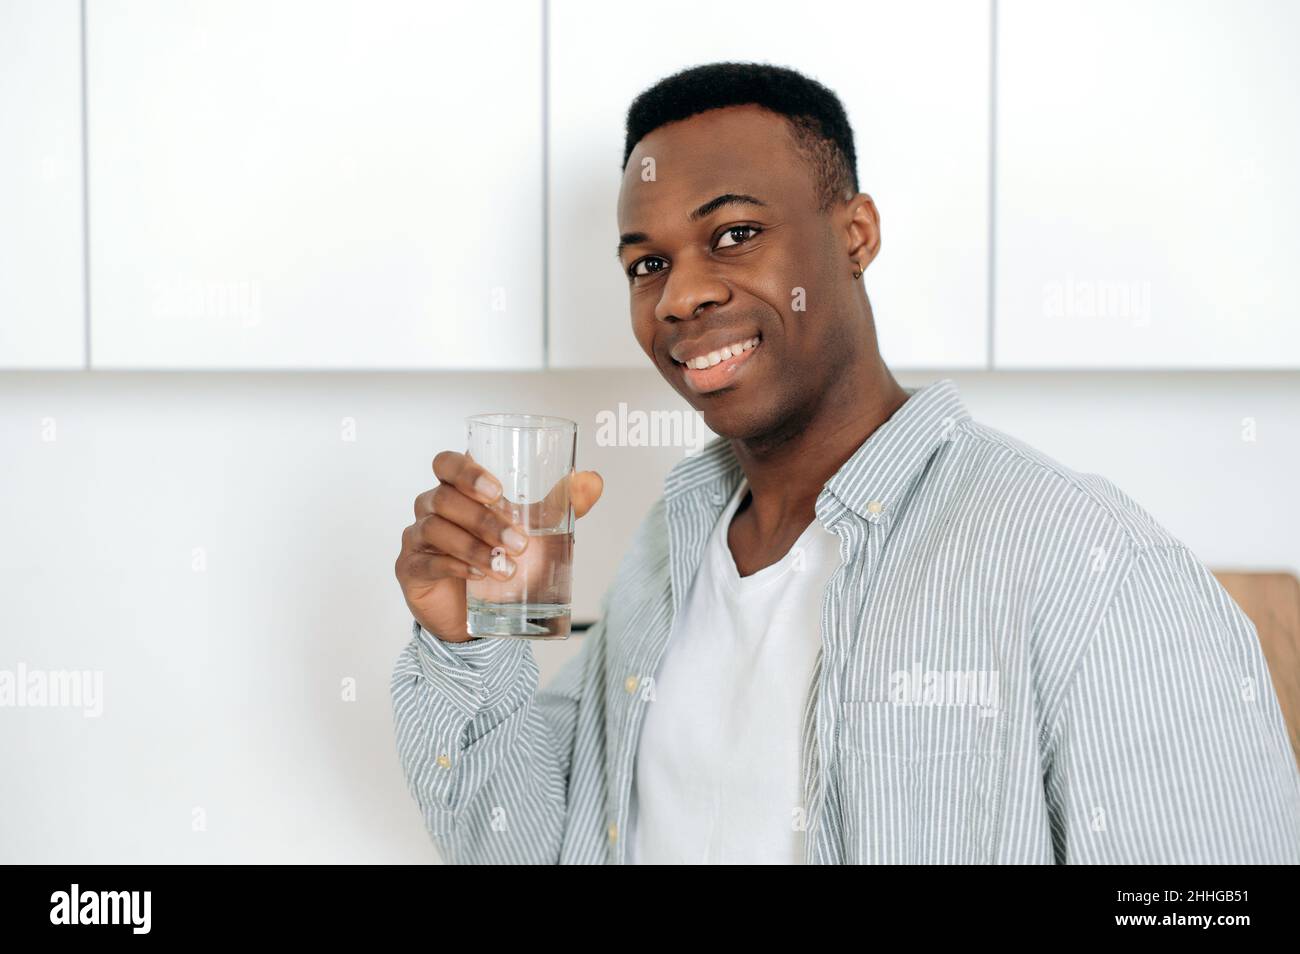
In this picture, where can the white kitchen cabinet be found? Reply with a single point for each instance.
(42, 281)
(315, 185)
(1148, 210)
(914, 79)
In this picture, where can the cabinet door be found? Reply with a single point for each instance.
(1148, 211)
(914, 79)
(315, 185)
(42, 278)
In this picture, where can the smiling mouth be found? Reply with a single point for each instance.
(700, 362)
(716, 369)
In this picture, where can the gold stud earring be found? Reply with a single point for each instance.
(857, 272)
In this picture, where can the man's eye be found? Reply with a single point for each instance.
(636, 268)
(732, 234)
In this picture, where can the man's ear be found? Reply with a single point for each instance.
(863, 232)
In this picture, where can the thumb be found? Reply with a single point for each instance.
(585, 488)
(578, 489)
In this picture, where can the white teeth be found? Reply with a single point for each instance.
(714, 357)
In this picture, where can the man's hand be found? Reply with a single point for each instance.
(457, 524)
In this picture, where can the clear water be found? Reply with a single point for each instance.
(525, 620)
(535, 602)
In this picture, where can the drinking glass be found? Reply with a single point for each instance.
(532, 456)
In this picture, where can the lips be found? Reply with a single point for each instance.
(712, 347)
(721, 372)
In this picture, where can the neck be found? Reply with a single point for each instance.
(787, 469)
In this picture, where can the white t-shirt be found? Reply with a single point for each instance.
(718, 777)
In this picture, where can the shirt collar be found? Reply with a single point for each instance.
(872, 481)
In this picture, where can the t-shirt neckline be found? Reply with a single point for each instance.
(725, 563)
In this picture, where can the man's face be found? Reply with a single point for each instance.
(704, 275)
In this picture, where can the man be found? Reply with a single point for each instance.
(857, 627)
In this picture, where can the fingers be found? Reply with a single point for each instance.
(466, 517)
(423, 566)
(490, 524)
(480, 537)
(466, 475)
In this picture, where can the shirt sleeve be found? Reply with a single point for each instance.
(474, 675)
(488, 756)
(1170, 747)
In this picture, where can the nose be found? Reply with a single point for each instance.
(690, 286)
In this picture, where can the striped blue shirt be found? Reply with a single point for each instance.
(1018, 665)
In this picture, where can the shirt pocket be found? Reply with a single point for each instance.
(919, 784)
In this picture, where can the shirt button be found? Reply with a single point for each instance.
(630, 683)
(443, 762)
(613, 833)
(874, 507)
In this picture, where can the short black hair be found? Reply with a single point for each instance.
(818, 124)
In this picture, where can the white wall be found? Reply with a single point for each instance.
(222, 688)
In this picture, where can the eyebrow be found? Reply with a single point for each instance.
(708, 208)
